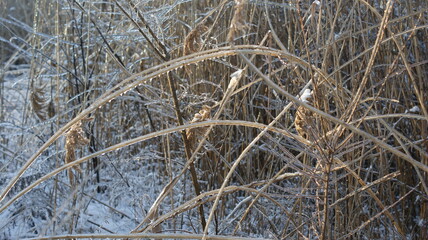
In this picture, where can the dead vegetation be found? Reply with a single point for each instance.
(267, 119)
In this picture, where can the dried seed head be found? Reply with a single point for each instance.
(238, 20)
(75, 137)
(193, 39)
(195, 134)
(305, 119)
(38, 102)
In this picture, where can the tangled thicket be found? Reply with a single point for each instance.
(198, 124)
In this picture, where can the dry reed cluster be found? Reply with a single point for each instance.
(321, 131)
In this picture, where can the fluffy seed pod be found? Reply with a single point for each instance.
(305, 119)
(194, 134)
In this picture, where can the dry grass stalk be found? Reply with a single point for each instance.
(309, 126)
(75, 137)
(51, 109)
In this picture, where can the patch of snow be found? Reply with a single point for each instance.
(414, 109)
(306, 95)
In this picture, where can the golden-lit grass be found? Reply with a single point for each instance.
(214, 89)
